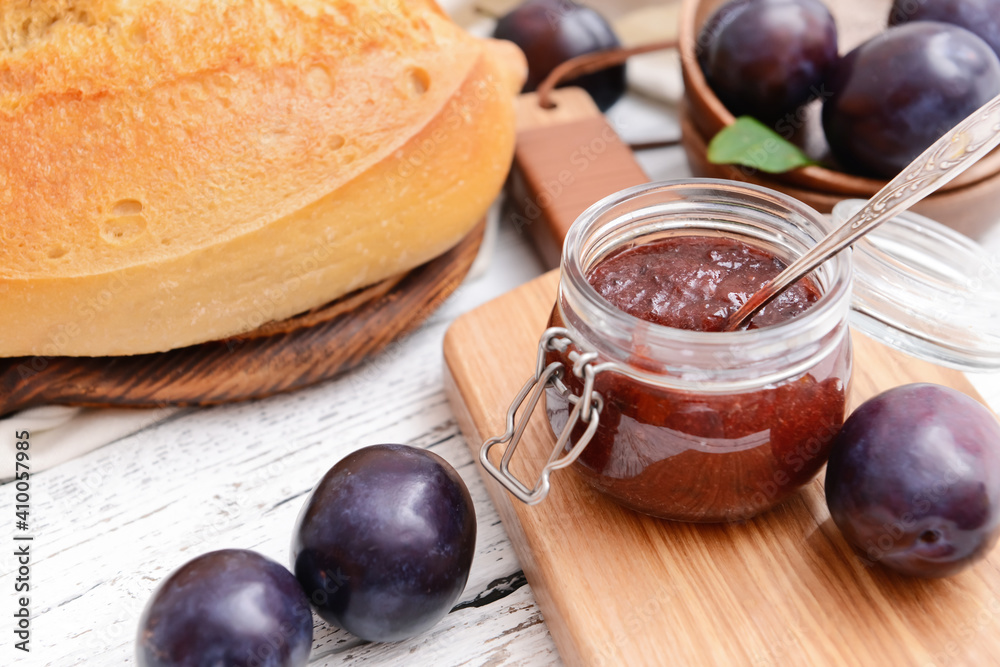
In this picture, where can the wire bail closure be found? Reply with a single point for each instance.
(587, 407)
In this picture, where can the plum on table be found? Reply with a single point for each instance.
(231, 607)
(384, 544)
(551, 32)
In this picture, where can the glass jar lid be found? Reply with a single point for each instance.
(927, 290)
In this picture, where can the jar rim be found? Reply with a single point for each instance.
(830, 309)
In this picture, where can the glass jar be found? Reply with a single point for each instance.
(690, 425)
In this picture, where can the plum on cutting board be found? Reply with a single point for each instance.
(913, 480)
(896, 94)
(384, 544)
(766, 58)
(231, 607)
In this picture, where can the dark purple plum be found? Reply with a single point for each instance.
(231, 607)
(897, 93)
(708, 34)
(913, 480)
(766, 58)
(551, 32)
(384, 544)
(980, 16)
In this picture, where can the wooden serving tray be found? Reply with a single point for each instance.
(277, 357)
(620, 588)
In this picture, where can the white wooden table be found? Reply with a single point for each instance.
(111, 524)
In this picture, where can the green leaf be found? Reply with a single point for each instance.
(751, 143)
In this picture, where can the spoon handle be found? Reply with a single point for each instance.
(946, 158)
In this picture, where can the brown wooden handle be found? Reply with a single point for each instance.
(566, 158)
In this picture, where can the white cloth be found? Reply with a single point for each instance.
(59, 433)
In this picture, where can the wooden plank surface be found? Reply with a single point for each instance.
(619, 588)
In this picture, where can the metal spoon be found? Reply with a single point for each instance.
(947, 157)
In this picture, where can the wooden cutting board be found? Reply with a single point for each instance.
(619, 588)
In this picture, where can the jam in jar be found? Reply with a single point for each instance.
(693, 423)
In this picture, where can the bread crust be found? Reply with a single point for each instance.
(154, 207)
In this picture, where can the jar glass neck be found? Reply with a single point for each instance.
(652, 352)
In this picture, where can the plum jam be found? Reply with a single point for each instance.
(696, 424)
(696, 282)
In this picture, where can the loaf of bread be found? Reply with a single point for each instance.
(177, 171)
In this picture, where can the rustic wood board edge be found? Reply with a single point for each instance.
(616, 587)
(279, 357)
